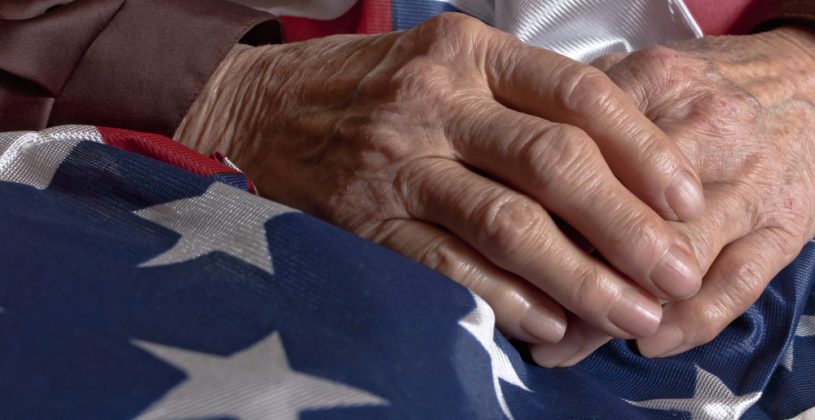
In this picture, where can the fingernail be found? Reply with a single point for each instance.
(636, 314)
(685, 197)
(667, 341)
(553, 355)
(677, 274)
(542, 325)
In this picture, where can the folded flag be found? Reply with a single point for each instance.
(134, 288)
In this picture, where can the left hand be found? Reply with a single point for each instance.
(454, 144)
(740, 108)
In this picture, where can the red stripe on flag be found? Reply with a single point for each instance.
(301, 29)
(166, 150)
(365, 17)
(377, 17)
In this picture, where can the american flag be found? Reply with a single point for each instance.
(134, 288)
(140, 279)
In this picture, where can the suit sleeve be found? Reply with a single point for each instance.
(133, 64)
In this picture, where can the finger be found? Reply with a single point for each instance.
(551, 86)
(521, 311)
(735, 281)
(560, 167)
(515, 233)
(608, 61)
(580, 341)
(730, 215)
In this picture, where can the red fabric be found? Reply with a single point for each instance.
(301, 29)
(166, 150)
(366, 17)
(730, 16)
(376, 17)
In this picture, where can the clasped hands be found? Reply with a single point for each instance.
(575, 202)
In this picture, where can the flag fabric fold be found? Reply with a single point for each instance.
(582, 30)
(142, 280)
(133, 287)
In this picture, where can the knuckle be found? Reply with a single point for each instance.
(642, 235)
(657, 57)
(441, 256)
(746, 285)
(724, 112)
(584, 90)
(420, 79)
(562, 152)
(749, 281)
(656, 62)
(412, 181)
(451, 28)
(592, 298)
(451, 21)
(655, 149)
(460, 24)
(379, 232)
(506, 225)
(647, 70)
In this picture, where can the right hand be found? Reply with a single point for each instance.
(455, 144)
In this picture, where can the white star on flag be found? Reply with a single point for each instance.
(481, 324)
(806, 328)
(712, 400)
(223, 219)
(256, 383)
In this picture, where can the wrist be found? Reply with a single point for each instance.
(257, 93)
(775, 67)
(796, 39)
(221, 109)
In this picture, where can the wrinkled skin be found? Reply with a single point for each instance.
(455, 144)
(741, 109)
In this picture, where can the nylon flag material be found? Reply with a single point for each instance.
(582, 30)
(133, 288)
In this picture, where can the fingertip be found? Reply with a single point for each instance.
(552, 355)
(635, 314)
(543, 325)
(669, 340)
(580, 342)
(686, 197)
(677, 274)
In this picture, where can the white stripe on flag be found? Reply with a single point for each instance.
(32, 158)
(587, 29)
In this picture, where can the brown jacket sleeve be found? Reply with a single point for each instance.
(791, 11)
(136, 64)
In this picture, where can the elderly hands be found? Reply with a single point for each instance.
(457, 145)
(739, 108)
